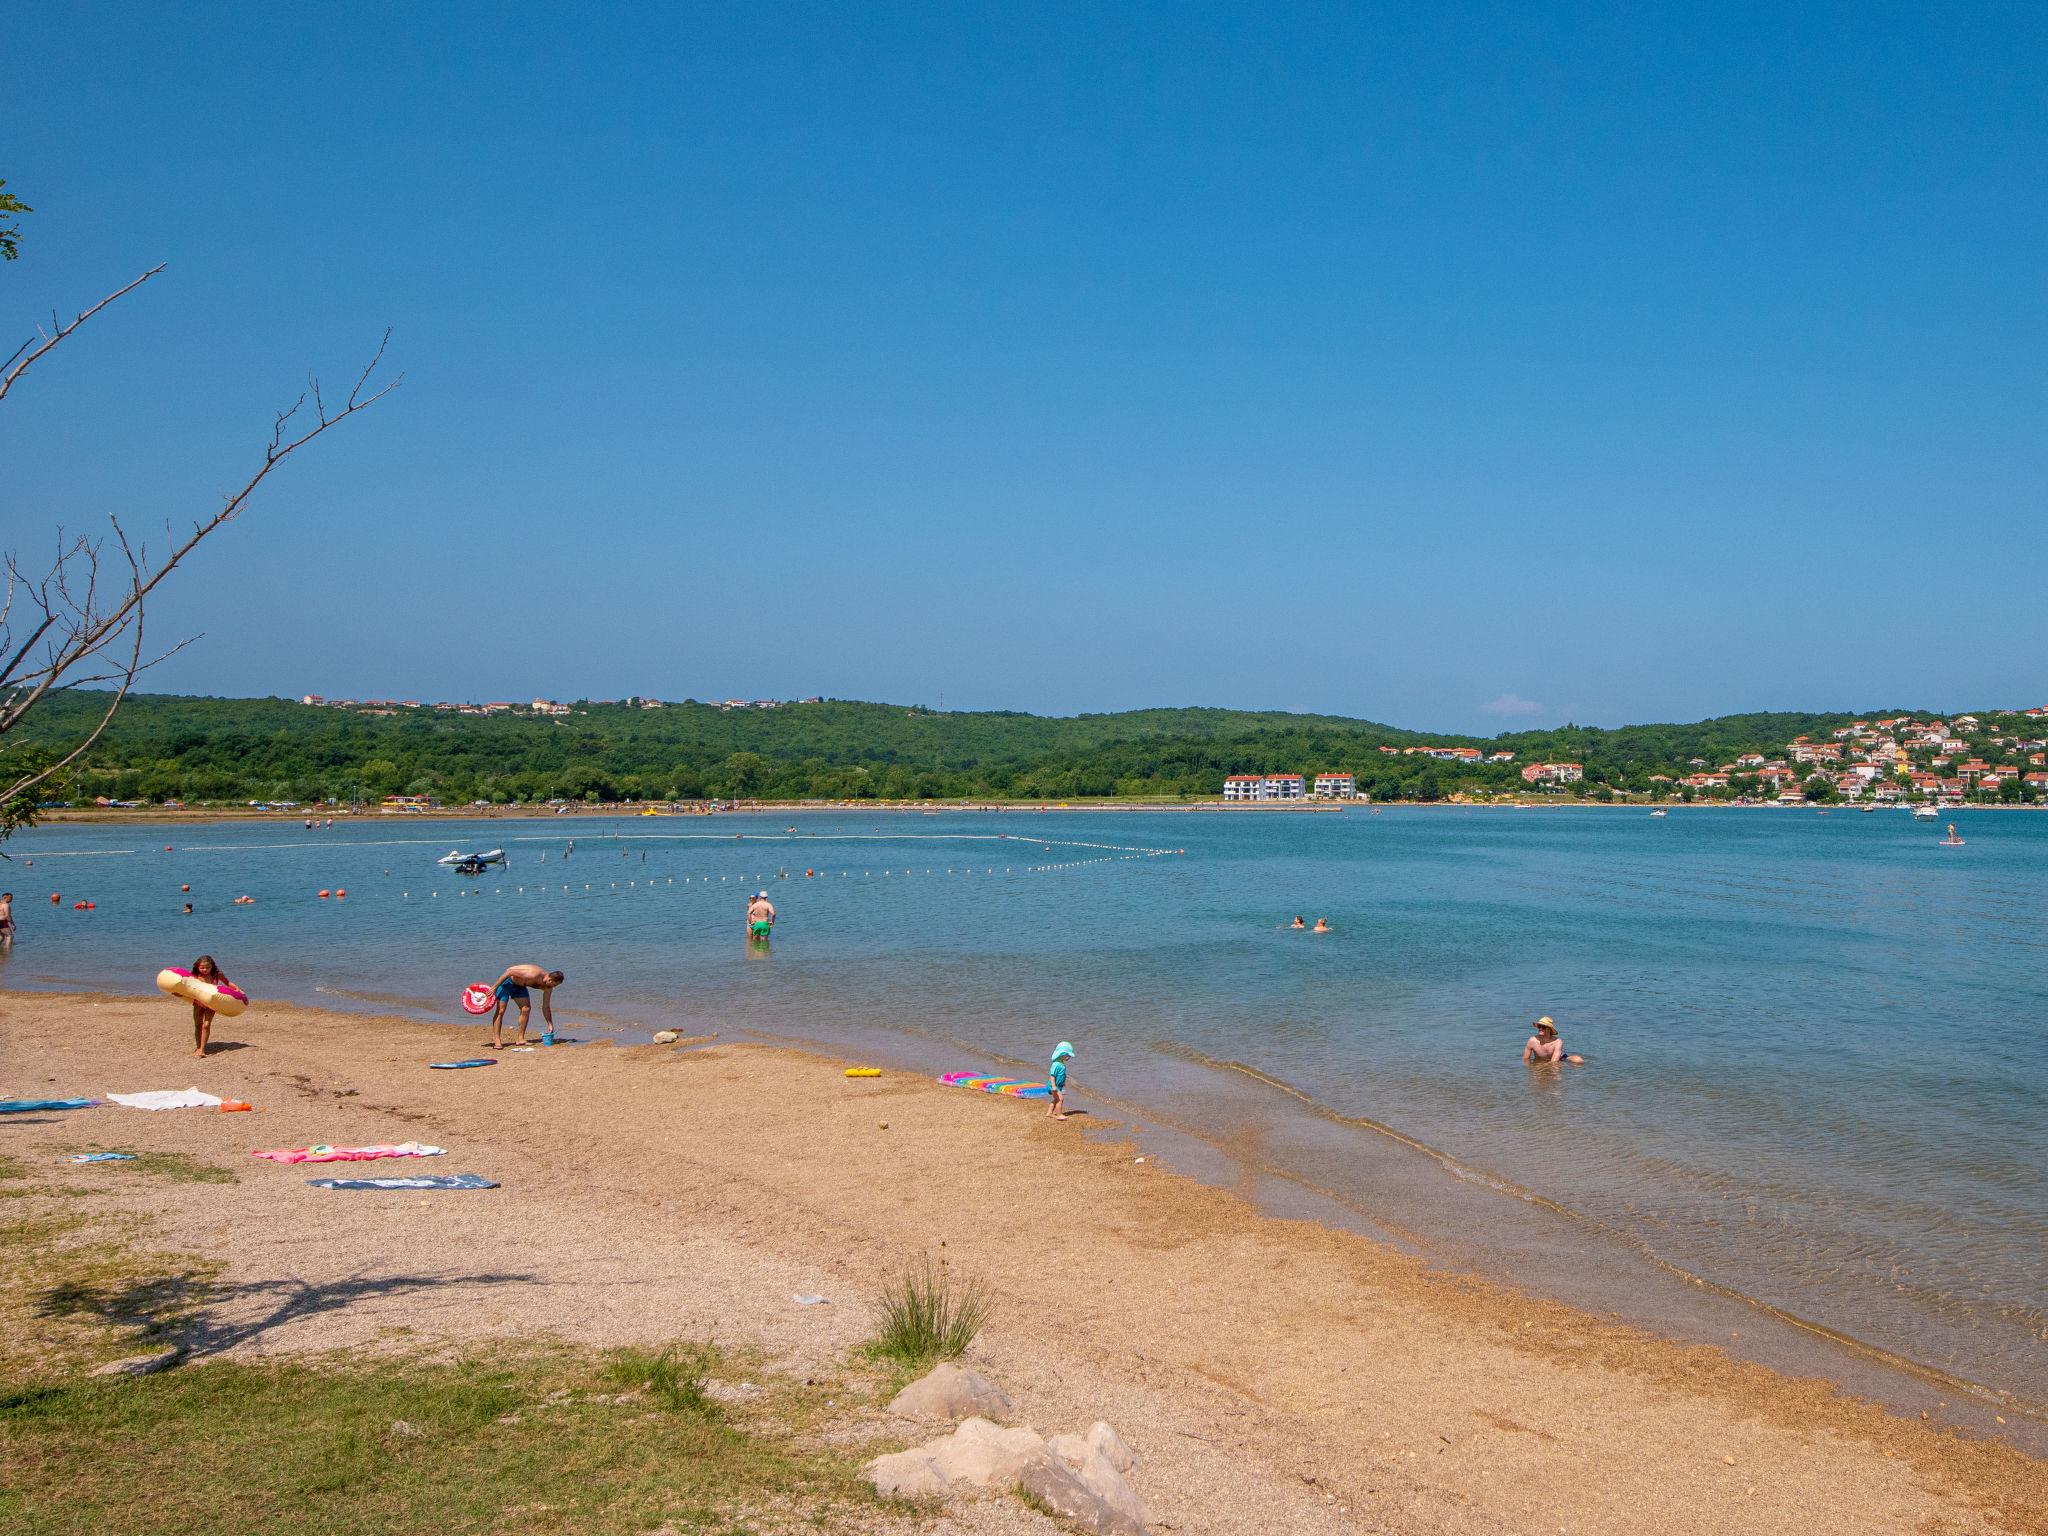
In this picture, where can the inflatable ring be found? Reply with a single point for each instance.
(225, 999)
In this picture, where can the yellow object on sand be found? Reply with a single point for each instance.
(863, 1071)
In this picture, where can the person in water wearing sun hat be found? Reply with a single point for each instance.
(1547, 1046)
(1056, 1080)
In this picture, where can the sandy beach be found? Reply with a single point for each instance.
(1275, 1375)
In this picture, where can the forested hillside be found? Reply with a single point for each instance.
(228, 750)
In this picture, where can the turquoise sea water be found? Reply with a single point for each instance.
(1816, 1042)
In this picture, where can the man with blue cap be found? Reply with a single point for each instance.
(1056, 1079)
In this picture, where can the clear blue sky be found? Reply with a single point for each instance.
(1462, 366)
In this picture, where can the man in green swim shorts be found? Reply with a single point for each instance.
(760, 917)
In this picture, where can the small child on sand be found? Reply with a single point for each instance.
(1056, 1080)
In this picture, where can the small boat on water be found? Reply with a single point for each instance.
(1925, 813)
(1656, 813)
(456, 856)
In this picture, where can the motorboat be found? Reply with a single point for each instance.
(456, 856)
(1658, 812)
(1926, 813)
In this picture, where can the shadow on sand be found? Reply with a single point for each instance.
(184, 1309)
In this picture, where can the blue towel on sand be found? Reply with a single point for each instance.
(102, 1157)
(23, 1106)
(417, 1181)
(478, 1061)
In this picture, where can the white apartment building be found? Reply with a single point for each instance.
(1336, 786)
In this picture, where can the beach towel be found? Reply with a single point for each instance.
(166, 1098)
(1008, 1087)
(451, 1066)
(322, 1153)
(101, 1157)
(418, 1181)
(24, 1106)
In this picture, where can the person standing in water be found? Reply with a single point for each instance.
(6, 918)
(1546, 1046)
(1056, 1080)
(202, 1016)
(760, 917)
(512, 987)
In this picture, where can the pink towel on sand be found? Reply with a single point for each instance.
(326, 1154)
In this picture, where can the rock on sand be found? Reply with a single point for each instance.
(949, 1394)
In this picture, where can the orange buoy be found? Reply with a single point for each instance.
(325, 894)
(55, 898)
(339, 893)
(185, 888)
(167, 847)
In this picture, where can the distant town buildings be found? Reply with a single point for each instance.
(544, 708)
(1553, 773)
(1287, 786)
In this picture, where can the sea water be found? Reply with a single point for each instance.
(1815, 1072)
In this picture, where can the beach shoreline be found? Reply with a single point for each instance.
(1303, 1355)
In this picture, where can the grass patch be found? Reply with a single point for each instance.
(672, 1377)
(928, 1315)
(12, 1168)
(518, 1440)
(72, 1293)
(178, 1167)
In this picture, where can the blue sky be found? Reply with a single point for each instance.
(1460, 366)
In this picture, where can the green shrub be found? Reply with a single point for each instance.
(927, 1316)
(673, 1377)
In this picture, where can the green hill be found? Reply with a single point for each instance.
(230, 750)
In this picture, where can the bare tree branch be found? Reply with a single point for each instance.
(58, 332)
(69, 615)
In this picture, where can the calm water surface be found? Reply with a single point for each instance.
(1816, 1071)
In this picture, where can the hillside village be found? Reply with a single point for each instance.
(1964, 759)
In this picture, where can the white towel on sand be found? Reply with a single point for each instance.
(167, 1098)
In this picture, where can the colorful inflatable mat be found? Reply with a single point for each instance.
(1008, 1087)
(422, 1181)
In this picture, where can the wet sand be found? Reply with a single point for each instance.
(1276, 1375)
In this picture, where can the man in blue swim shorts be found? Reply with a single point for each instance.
(512, 987)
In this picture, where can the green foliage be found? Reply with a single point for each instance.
(10, 232)
(927, 1316)
(230, 751)
(673, 1377)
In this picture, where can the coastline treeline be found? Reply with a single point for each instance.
(229, 751)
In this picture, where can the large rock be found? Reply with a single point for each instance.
(1111, 1445)
(906, 1475)
(1057, 1487)
(1100, 1476)
(984, 1456)
(950, 1394)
